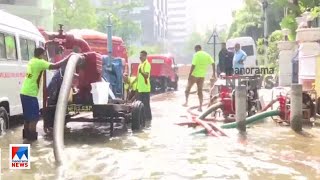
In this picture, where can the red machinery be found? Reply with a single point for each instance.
(163, 72)
(94, 41)
(61, 44)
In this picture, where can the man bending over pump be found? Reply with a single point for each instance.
(30, 89)
(130, 85)
(200, 62)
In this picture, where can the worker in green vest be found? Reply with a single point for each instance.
(130, 86)
(143, 84)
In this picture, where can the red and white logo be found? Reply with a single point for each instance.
(19, 156)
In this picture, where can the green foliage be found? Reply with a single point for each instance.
(122, 26)
(304, 4)
(315, 12)
(74, 14)
(272, 50)
(289, 22)
(134, 51)
(247, 21)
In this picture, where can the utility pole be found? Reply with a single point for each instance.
(265, 29)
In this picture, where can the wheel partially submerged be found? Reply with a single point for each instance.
(4, 120)
(138, 116)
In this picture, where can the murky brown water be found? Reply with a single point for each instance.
(167, 151)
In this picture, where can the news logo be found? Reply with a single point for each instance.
(19, 156)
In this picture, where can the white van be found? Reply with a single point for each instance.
(248, 45)
(18, 39)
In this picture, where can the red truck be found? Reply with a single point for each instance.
(163, 72)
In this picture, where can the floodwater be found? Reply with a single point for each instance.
(167, 151)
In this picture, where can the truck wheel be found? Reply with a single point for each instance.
(4, 120)
(48, 117)
(175, 84)
(138, 116)
(164, 85)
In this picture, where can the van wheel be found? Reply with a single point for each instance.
(4, 120)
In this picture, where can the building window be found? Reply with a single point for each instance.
(2, 47)
(11, 50)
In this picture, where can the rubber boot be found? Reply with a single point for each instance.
(25, 134)
(33, 136)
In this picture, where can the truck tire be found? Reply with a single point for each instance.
(164, 85)
(48, 117)
(175, 84)
(138, 116)
(4, 120)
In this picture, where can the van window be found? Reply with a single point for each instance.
(27, 48)
(41, 44)
(31, 48)
(11, 49)
(248, 50)
(2, 47)
(24, 49)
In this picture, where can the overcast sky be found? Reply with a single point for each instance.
(210, 12)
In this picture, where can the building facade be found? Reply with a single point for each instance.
(151, 16)
(39, 12)
(179, 21)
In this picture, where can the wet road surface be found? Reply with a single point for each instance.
(167, 151)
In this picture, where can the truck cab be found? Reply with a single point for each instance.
(164, 72)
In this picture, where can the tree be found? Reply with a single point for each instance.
(122, 25)
(74, 14)
(247, 21)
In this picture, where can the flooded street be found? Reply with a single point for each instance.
(167, 151)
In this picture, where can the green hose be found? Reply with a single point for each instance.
(202, 131)
(249, 120)
(252, 119)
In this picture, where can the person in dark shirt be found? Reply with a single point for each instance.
(225, 60)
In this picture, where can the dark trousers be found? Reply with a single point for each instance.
(145, 99)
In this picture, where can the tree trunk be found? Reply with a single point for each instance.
(297, 8)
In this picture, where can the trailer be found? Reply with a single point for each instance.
(68, 95)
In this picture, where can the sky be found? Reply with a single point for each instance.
(208, 13)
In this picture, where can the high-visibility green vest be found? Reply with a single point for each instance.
(131, 85)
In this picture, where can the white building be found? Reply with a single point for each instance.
(180, 22)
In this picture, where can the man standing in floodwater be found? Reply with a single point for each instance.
(143, 84)
(30, 89)
(225, 60)
(200, 62)
(238, 59)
